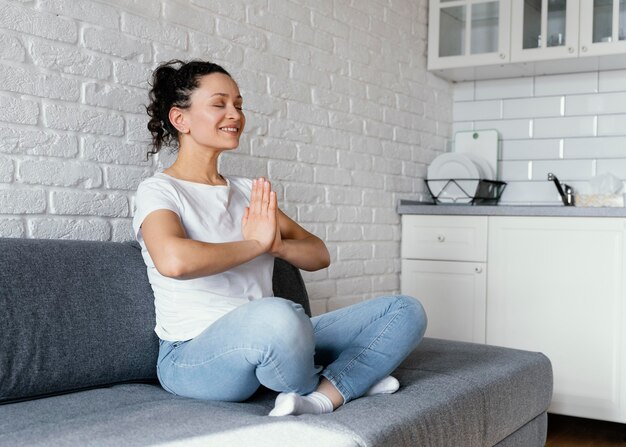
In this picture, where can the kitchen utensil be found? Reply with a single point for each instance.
(483, 143)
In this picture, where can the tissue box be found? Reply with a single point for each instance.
(599, 200)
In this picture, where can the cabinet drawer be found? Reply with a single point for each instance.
(452, 238)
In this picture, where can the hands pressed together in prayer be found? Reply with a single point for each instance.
(260, 219)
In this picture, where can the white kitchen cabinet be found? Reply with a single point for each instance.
(562, 29)
(444, 266)
(468, 32)
(602, 27)
(487, 39)
(544, 29)
(557, 285)
(453, 295)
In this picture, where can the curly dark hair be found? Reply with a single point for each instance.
(172, 84)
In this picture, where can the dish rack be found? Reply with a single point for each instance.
(465, 191)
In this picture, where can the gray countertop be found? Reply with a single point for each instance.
(415, 207)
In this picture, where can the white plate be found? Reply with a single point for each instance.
(453, 166)
(436, 186)
(485, 169)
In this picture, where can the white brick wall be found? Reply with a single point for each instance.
(573, 125)
(342, 116)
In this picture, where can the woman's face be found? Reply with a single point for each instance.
(215, 119)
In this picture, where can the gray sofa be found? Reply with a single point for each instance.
(77, 368)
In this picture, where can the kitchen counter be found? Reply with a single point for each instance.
(415, 207)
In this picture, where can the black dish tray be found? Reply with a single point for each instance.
(468, 191)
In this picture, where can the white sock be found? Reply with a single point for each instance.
(388, 385)
(294, 404)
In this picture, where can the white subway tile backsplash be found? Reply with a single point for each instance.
(530, 149)
(612, 125)
(464, 91)
(563, 169)
(615, 167)
(599, 147)
(612, 81)
(598, 104)
(573, 125)
(524, 193)
(566, 84)
(507, 129)
(514, 170)
(583, 126)
(531, 107)
(462, 126)
(477, 110)
(504, 88)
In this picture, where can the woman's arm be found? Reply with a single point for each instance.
(177, 256)
(299, 247)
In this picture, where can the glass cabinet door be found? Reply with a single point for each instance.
(484, 27)
(452, 25)
(603, 27)
(468, 32)
(556, 33)
(622, 20)
(544, 29)
(602, 21)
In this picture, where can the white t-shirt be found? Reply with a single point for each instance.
(185, 308)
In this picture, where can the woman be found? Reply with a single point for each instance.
(209, 243)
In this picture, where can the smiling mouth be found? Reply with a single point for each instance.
(230, 129)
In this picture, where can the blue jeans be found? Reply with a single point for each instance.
(272, 342)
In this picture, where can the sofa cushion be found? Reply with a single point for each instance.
(287, 283)
(76, 314)
(451, 394)
(508, 387)
(80, 314)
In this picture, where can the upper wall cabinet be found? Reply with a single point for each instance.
(483, 39)
(604, 29)
(544, 29)
(468, 32)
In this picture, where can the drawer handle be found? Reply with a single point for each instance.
(478, 269)
(441, 238)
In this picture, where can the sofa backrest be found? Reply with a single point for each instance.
(80, 314)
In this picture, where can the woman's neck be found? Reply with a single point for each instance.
(198, 169)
